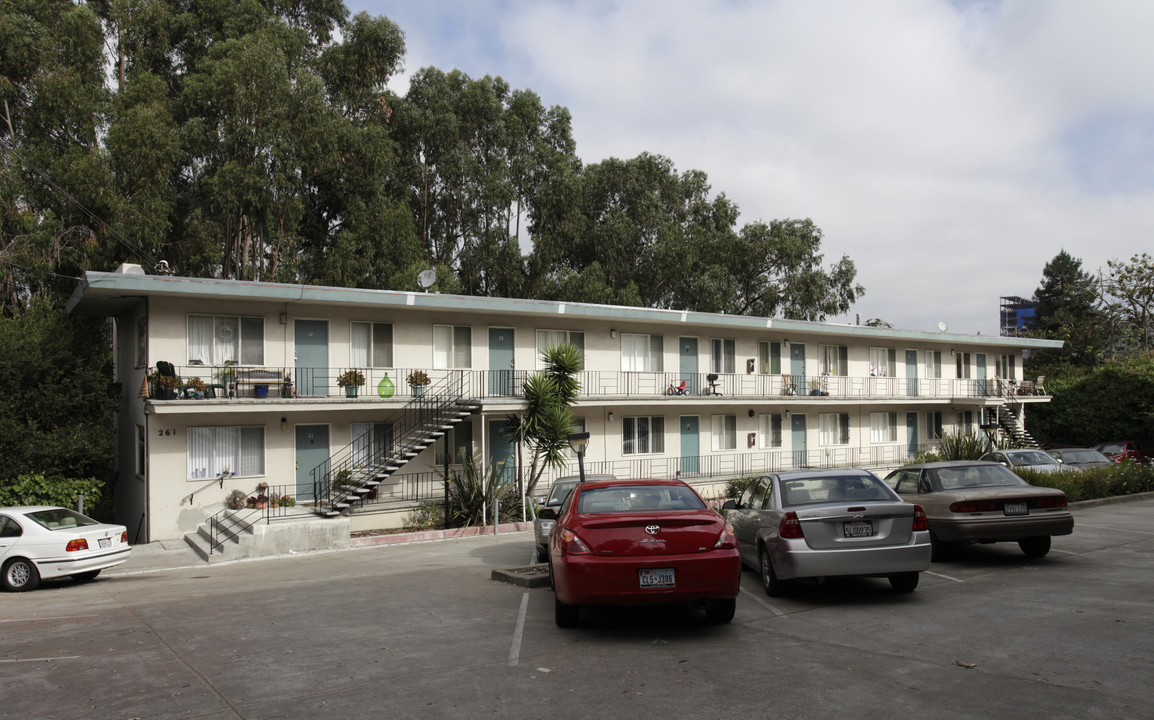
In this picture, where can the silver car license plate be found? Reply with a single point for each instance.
(1018, 508)
(104, 542)
(858, 528)
(657, 578)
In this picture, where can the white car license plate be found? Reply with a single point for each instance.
(657, 578)
(1018, 508)
(104, 542)
(858, 528)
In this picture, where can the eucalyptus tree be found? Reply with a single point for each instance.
(1130, 297)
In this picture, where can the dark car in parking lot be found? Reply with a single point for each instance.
(1080, 458)
(1119, 450)
(970, 501)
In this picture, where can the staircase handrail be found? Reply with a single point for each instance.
(409, 431)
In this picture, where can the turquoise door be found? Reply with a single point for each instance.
(797, 369)
(912, 433)
(797, 441)
(687, 354)
(690, 449)
(501, 457)
(911, 372)
(311, 338)
(983, 386)
(312, 450)
(500, 361)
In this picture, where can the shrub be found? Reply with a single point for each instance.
(38, 489)
(426, 516)
(1120, 479)
(473, 491)
(735, 487)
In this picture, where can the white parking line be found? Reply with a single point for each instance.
(763, 603)
(36, 619)
(62, 657)
(515, 650)
(947, 577)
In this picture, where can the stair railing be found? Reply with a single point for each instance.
(339, 477)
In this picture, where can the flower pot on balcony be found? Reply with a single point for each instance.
(260, 390)
(351, 391)
(418, 391)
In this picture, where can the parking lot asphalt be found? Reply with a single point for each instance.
(421, 631)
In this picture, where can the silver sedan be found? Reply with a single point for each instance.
(827, 523)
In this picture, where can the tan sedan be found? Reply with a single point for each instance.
(968, 501)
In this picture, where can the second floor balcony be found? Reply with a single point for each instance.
(288, 384)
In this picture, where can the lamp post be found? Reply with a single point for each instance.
(578, 441)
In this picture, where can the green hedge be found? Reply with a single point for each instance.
(37, 489)
(1124, 478)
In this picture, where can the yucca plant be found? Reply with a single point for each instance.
(474, 490)
(956, 446)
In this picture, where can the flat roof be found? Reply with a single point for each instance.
(115, 293)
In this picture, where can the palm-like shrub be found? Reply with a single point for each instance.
(474, 490)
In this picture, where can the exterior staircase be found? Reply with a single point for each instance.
(346, 478)
(1008, 422)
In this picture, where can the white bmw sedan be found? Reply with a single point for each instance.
(50, 542)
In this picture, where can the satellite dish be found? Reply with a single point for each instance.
(943, 327)
(427, 278)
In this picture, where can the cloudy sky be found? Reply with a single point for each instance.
(950, 148)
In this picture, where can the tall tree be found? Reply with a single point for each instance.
(1130, 288)
(1067, 310)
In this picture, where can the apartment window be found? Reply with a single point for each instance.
(883, 427)
(724, 432)
(372, 345)
(371, 442)
(933, 426)
(933, 364)
(832, 359)
(962, 361)
(966, 422)
(214, 451)
(452, 347)
(460, 442)
(834, 429)
(642, 353)
(769, 357)
(1004, 367)
(552, 338)
(769, 427)
(722, 354)
(642, 435)
(225, 339)
(883, 362)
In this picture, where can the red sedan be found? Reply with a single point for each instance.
(641, 542)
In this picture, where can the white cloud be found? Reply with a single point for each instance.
(949, 148)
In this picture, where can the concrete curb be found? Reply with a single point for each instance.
(432, 535)
(529, 576)
(1112, 500)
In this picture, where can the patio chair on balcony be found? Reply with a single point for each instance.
(1040, 385)
(788, 386)
(1026, 387)
(711, 378)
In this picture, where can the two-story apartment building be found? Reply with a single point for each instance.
(664, 393)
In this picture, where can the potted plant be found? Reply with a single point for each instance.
(235, 500)
(195, 388)
(163, 386)
(418, 379)
(351, 380)
(288, 501)
(261, 501)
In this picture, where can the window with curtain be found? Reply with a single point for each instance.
(834, 429)
(883, 362)
(642, 435)
(883, 427)
(371, 442)
(1004, 367)
(724, 432)
(214, 451)
(371, 345)
(722, 352)
(452, 347)
(552, 338)
(642, 353)
(225, 339)
(769, 357)
(962, 362)
(933, 426)
(966, 422)
(832, 359)
(769, 427)
(933, 364)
